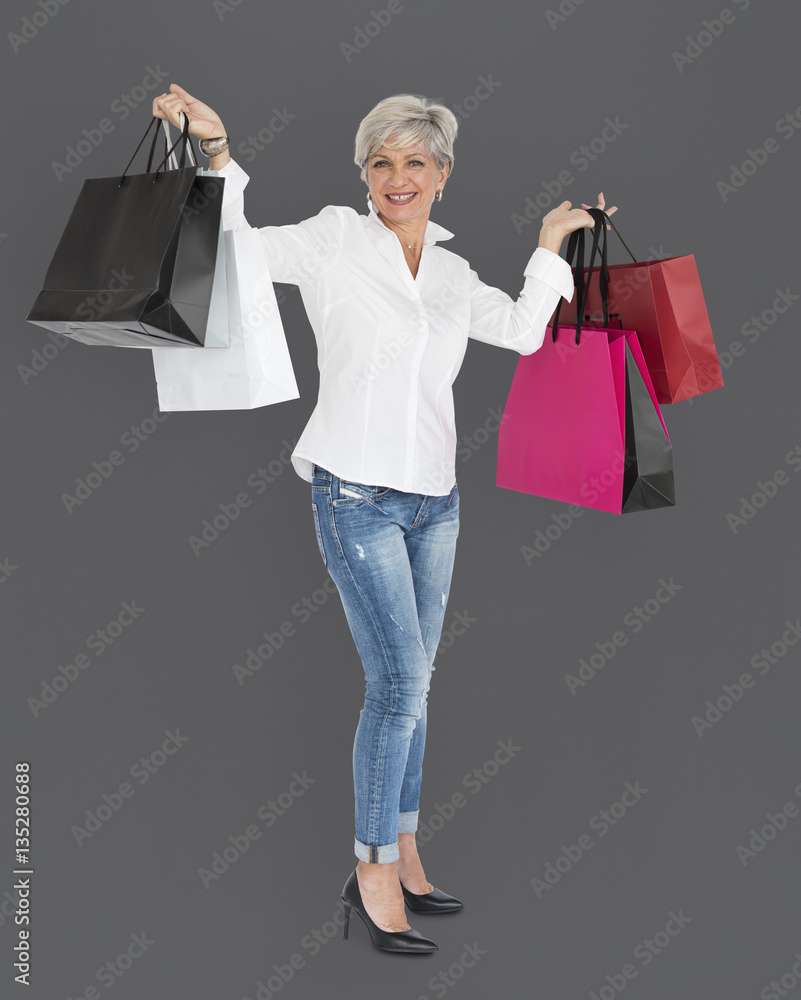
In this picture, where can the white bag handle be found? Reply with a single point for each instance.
(173, 161)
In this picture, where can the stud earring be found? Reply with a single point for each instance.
(439, 196)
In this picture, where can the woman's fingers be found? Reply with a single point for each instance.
(180, 92)
(609, 211)
(169, 106)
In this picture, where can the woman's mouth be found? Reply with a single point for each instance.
(401, 199)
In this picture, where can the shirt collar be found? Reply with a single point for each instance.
(434, 232)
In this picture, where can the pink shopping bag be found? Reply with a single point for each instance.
(582, 424)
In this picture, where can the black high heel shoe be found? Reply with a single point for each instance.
(410, 941)
(435, 901)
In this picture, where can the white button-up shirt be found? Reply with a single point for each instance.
(390, 345)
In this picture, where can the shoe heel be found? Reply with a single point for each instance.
(347, 921)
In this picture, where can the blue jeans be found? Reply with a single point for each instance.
(391, 557)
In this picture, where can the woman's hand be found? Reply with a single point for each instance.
(203, 122)
(565, 219)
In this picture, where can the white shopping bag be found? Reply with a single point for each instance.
(256, 369)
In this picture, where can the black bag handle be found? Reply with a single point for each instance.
(575, 247)
(184, 137)
(575, 244)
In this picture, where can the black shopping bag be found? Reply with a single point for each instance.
(135, 266)
(648, 464)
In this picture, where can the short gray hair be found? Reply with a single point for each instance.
(414, 121)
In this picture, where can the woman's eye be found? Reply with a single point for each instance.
(381, 163)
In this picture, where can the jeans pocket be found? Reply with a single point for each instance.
(349, 490)
(320, 542)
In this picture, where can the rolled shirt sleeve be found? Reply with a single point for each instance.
(495, 318)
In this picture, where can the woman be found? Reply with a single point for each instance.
(391, 312)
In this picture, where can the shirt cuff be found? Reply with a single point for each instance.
(235, 174)
(553, 270)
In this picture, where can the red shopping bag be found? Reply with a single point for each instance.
(663, 301)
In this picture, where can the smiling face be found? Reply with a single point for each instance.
(403, 183)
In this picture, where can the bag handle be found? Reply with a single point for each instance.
(576, 243)
(168, 140)
(184, 137)
(575, 247)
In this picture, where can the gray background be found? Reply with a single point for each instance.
(504, 678)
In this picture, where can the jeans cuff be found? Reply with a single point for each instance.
(383, 854)
(407, 821)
